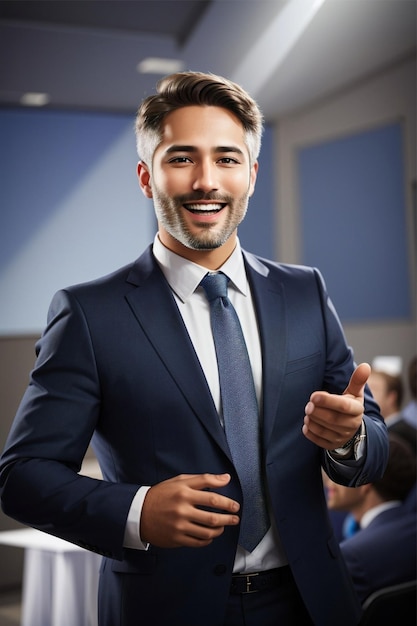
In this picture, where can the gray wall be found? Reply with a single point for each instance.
(16, 360)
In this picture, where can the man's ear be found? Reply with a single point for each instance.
(144, 177)
(253, 175)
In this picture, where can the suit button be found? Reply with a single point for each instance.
(220, 569)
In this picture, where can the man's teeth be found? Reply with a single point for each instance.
(204, 208)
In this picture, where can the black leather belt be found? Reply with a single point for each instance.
(260, 581)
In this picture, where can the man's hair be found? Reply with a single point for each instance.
(412, 377)
(392, 383)
(400, 473)
(195, 89)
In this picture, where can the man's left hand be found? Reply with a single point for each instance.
(332, 419)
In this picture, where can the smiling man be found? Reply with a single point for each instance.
(201, 177)
(213, 385)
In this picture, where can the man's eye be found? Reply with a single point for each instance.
(228, 161)
(180, 159)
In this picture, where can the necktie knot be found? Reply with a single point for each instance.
(215, 285)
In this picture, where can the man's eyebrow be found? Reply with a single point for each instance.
(235, 149)
(180, 148)
(217, 149)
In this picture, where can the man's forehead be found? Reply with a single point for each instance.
(188, 117)
(195, 127)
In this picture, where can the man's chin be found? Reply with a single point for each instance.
(201, 244)
(203, 241)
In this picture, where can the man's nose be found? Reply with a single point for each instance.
(206, 176)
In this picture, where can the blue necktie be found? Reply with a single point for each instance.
(240, 408)
(350, 526)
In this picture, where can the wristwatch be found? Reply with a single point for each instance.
(349, 449)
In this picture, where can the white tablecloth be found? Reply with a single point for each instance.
(60, 580)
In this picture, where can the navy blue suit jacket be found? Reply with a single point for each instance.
(117, 366)
(384, 553)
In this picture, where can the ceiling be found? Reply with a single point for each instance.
(288, 53)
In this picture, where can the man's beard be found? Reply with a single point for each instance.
(169, 214)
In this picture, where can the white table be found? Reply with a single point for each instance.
(60, 580)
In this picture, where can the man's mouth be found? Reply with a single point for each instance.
(205, 209)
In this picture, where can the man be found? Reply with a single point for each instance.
(409, 413)
(130, 362)
(387, 391)
(383, 552)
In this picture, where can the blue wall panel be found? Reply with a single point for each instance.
(71, 208)
(353, 222)
(43, 158)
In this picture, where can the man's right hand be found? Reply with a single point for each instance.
(174, 515)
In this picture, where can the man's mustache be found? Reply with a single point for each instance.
(197, 196)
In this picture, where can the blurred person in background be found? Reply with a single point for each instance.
(409, 413)
(383, 551)
(388, 391)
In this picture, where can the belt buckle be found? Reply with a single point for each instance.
(249, 582)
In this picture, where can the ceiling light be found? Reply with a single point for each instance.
(34, 99)
(155, 65)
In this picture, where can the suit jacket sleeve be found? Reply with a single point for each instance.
(49, 438)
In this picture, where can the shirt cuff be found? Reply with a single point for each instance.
(132, 537)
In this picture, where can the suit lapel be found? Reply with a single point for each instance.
(155, 309)
(270, 308)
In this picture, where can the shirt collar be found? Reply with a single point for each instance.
(184, 276)
(370, 515)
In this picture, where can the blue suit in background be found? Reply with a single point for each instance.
(384, 553)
